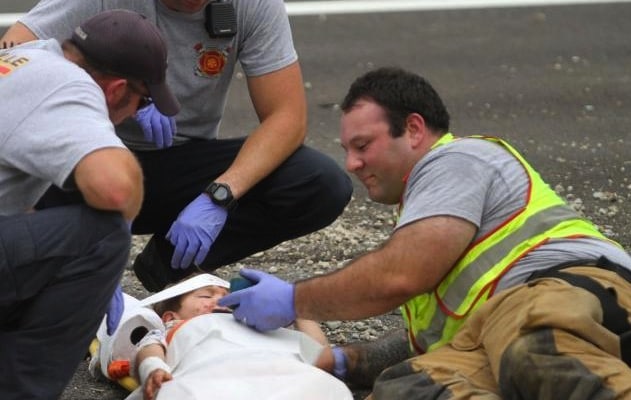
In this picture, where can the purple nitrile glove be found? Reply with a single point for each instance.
(339, 369)
(267, 305)
(115, 310)
(157, 128)
(195, 230)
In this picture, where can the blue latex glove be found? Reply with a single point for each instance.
(267, 305)
(195, 230)
(157, 128)
(339, 368)
(115, 310)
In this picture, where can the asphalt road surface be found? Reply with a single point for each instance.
(553, 80)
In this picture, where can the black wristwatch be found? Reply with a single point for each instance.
(221, 195)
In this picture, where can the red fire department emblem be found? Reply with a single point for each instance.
(210, 62)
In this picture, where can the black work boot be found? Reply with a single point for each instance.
(153, 265)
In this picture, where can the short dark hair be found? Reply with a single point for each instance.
(400, 93)
(172, 304)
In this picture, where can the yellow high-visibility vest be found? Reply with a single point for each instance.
(434, 318)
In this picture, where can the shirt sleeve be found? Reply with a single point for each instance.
(58, 18)
(267, 43)
(154, 336)
(69, 122)
(449, 183)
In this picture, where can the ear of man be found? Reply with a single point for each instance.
(114, 88)
(417, 130)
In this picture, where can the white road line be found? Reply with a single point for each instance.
(372, 6)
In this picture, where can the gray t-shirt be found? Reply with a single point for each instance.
(200, 67)
(483, 183)
(53, 115)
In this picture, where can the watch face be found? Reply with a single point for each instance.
(220, 193)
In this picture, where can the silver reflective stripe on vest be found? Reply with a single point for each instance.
(457, 292)
(434, 331)
(536, 224)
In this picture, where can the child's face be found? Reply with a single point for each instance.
(201, 301)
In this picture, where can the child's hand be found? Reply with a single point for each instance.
(154, 382)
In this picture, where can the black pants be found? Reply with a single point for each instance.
(304, 194)
(58, 271)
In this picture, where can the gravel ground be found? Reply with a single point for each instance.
(362, 226)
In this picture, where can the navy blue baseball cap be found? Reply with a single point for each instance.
(127, 44)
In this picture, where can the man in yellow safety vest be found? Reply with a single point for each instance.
(507, 293)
